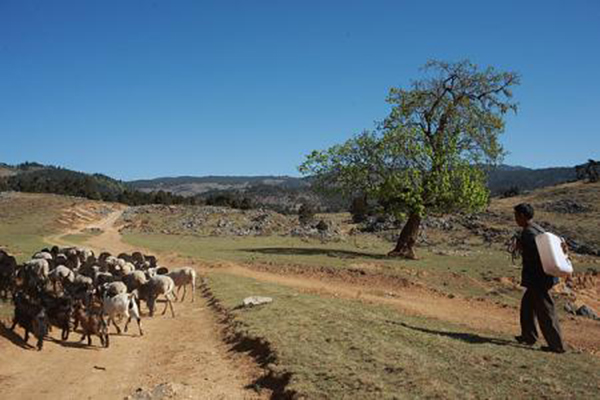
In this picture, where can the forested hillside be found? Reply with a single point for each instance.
(280, 193)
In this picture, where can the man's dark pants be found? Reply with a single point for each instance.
(537, 303)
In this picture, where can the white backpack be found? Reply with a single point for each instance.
(554, 260)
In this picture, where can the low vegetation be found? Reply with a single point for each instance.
(331, 348)
(27, 219)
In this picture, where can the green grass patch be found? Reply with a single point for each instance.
(347, 349)
(469, 273)
(6, 310)
(78, 238)
(26, 219)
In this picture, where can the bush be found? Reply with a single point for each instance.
(306, 213)
(511, 192)
(246, 204)
(322, 226)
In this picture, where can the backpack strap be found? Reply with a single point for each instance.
(537, 227)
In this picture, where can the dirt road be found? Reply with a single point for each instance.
(185, 351)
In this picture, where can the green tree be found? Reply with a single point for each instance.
(427, 154)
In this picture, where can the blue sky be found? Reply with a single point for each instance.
(141, 89)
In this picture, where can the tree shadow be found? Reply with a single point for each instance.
(14, 338)
(303, 251)
(470, 338)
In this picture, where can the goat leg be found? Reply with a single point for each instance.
(115, 324)
(171, 305)
(166, 305)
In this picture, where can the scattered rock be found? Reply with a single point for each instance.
(587, 312)
(570, 308)
(582, 311)
(256, 301)
(163, 391)
(374, 224)
(565, 206)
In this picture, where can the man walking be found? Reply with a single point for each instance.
(537, 302)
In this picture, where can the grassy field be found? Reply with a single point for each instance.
(479, 272)
(26, 219)
(80, 238)
(581, 225)
(331, 348)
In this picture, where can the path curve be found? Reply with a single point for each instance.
(186, 351)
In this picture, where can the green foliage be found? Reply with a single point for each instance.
(426, 156)
(306, 213)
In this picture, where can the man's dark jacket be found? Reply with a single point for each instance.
(533, 276)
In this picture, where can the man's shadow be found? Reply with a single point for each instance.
(470, 338)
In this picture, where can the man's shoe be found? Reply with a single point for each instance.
(549, 349)
(525, 341)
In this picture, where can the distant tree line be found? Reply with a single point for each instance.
(94, 187)
(37, 178)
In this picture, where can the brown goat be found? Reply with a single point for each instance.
(91, 323)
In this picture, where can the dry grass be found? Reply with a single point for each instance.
(348, 349)
(27, 219)
(582, 226)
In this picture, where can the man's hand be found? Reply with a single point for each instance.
(565, 248)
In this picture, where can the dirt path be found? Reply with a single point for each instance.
(186, 351)
(481, 316)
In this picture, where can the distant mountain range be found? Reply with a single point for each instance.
(506, 177)
(502, 178)
(278, 192)
(190, 185)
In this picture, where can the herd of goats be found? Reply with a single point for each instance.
(72, 288)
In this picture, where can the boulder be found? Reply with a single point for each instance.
(256, 301)
(587, 312)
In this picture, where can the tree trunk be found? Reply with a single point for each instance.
(405, 247)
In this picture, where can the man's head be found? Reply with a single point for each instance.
(523, 214)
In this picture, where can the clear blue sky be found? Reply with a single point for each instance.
(140, 89)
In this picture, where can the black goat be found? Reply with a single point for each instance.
(31, 317)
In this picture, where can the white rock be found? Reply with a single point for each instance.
(256, 301)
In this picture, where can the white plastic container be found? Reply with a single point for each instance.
(554, 260)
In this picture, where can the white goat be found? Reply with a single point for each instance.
(183, 277)
(114, 288)
(157, 286)
(121, 305)
(61, 274)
